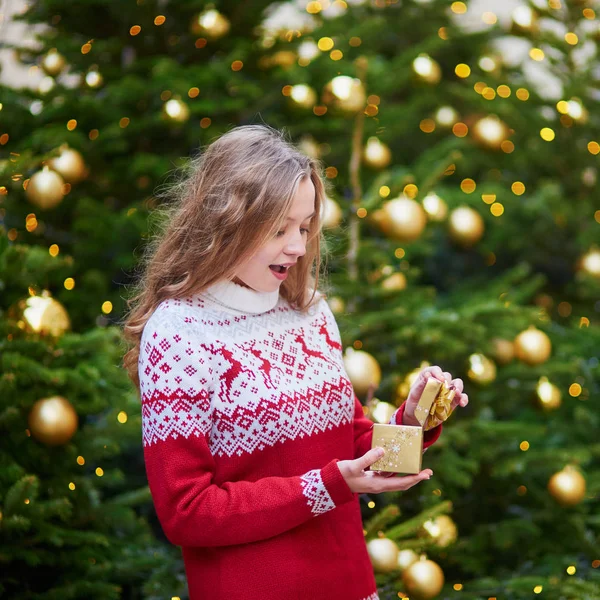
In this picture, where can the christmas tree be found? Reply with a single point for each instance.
(462, 229)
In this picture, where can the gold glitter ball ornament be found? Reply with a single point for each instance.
(567, 487)
(423, 579)
(435, 207)
(402, 219)
(403, 388)
(331, 213)
(45, 189)
(482, 370)
(363, 370)
(466, 226)
(441, 529)
(590, 263)
(345, 93)
(53, 421)
(533, 346)
(396, 282)
(504, 350)
(53, 63)
(376, 154)
(303, 96)
(40, 314)
(382, 412)
(406, 558)
(548, 395)
(383, 553)
(69, 164)
(490, 132)
(427, 69)
(210, 23)
(175, 110)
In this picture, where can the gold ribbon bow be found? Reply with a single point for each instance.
(441, 408)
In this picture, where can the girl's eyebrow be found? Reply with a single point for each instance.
(309, 216)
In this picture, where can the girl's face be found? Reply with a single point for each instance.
(288, 245)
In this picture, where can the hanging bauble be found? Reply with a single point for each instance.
(210, 23)
(567, 487)
(406, 558)
(504, 350)
(533, 346)
(93, 78)
(490, 132)
(53, 421)
(524, 20)
(435, 207)
(466, 226)
(308, 145)
(427, 69)
(424, 579)
(396, 282)
(337, 305)
(53, 63)
(446, 116)
(590, 262)
(382, 412)
(403, 388)
(548, 395)
(404, 219)
(40, 314)
(362, 369)
(176, 111)
(441, 529)
(331, 213)
(376, 154)
(303, 96)
(482, 370)
(345, 93)
(69, 164)
(383, 553)
(45, 188)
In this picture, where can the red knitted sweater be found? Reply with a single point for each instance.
(246, 411)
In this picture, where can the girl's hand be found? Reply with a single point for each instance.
(371, 482)
(460, 399)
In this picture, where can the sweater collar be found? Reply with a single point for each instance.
(240, 299)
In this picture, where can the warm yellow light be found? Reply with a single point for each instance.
(399, 253)
(503, 91)
(458, 8)
(574, 390)
(488, 198)
(411, 190)
(71, 124)
(522, 94)
(69, 283)
(518, 188)
(159, 20)
(135, 30)
(571, 38)
(538, 589)
(427, 125)
(336, 55)
(489, 18)
(361, 213)
(71, 486)
(460, 130)
(99, 472)
(325, 44)
(462, 70)
(547, 134)
(497, 209)
(536, 54)
(384, 191)
(468, 185)
(524, 446)
(122, 417)
(458, 586)
(593, 147)
(80, 460)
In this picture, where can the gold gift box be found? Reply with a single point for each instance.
(403, 445)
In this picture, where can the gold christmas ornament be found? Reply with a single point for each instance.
(93, 78)
(69, 164)
(53, 421)
(490, 132)
(504, 350)
(331, 213)
(53, 63)
(482, 370)
(303, 96)
(345, 93)
(590, 262)
(441, 529)
(383, 553)
(446, 116)
(567, 487)
(466, 226)
(524, 20)
(337, 305)
(40, 314)
(403, 388)
(382, 412)
(435, 207)
(45, 189)
(406, 558)
(423, 580)
(362, 369)
(176, 111)
(427, 69)
(210, 23)
(403, 219)
(548, 395)
(394, 283)
(376, 154)
(533, 346)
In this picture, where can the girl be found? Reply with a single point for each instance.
(256, 447)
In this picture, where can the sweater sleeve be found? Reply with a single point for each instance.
(176, 386)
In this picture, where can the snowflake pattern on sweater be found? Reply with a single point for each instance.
(244, 419)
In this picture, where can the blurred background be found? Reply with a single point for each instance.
(460, 143)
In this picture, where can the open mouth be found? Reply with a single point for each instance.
(278, 268)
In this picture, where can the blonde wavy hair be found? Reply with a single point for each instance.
(234, 195)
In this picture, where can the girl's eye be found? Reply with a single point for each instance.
(302, 229)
